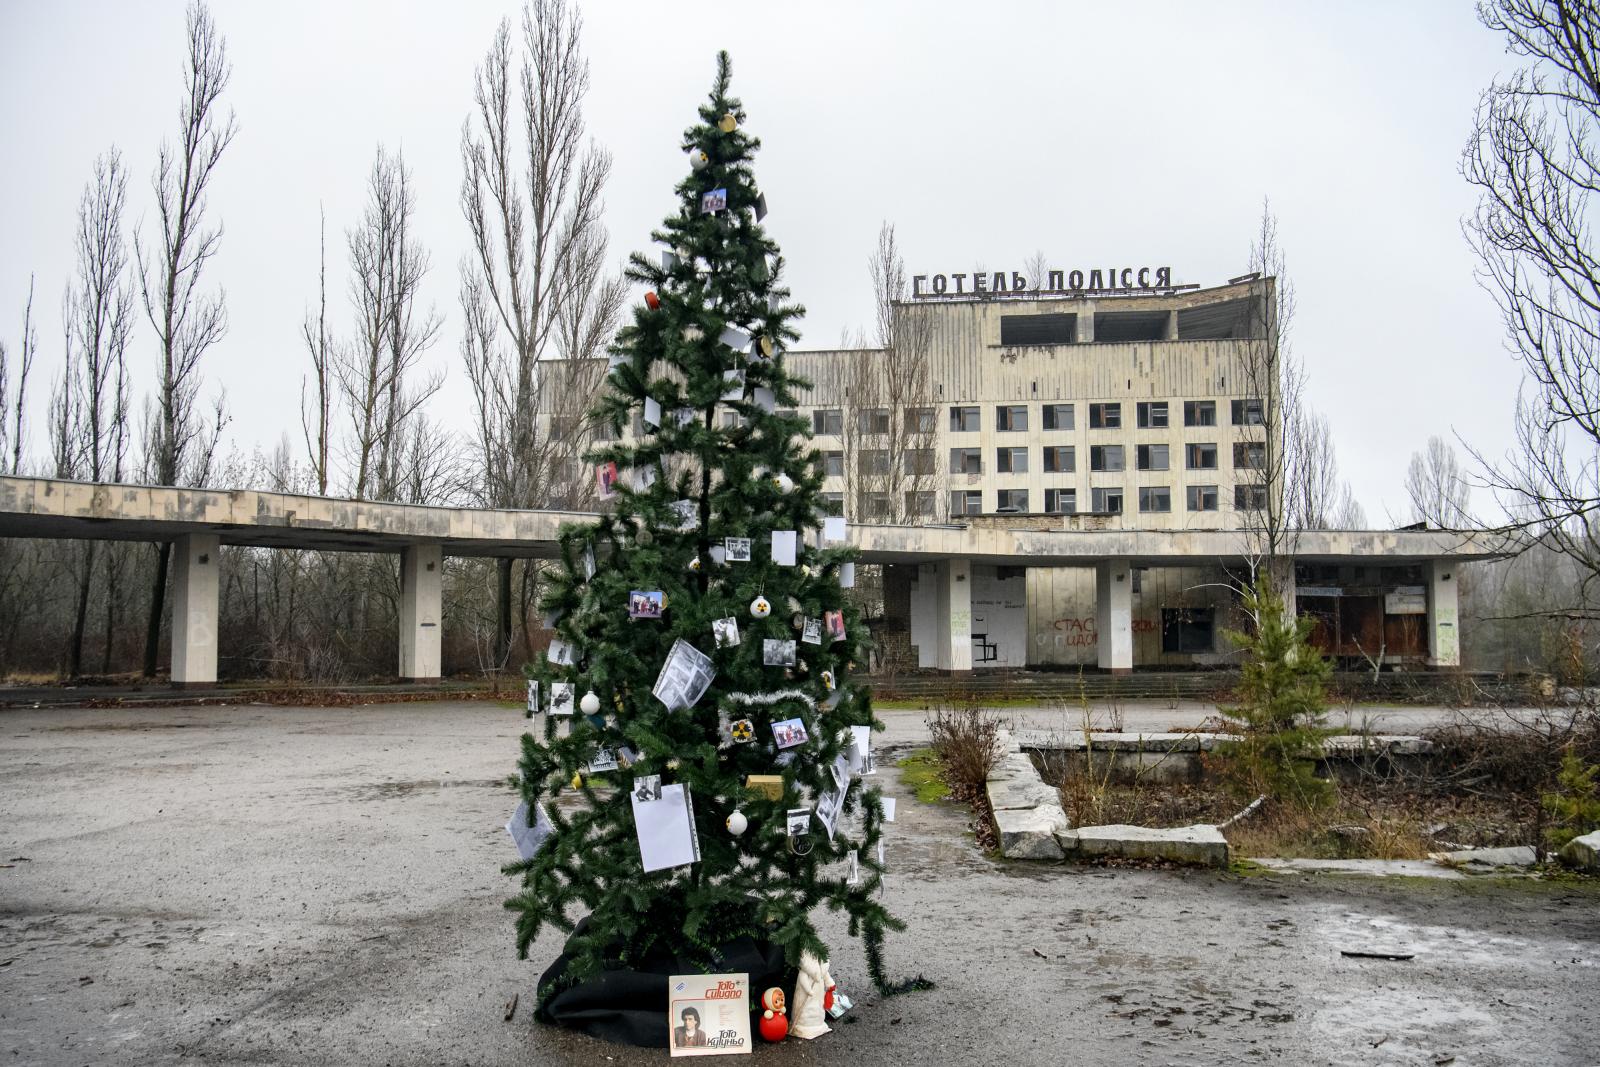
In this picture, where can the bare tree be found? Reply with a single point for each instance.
(892, 470)
(187, 320)
(534, 287)
(1273, 378)
(316, 425)
(1534, 159)
(1438, 489)
(374, 371)
(30, 349)
(99, 313)
(1318, 498)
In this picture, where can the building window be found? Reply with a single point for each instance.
(964, 420)
(1250, 455)
(638, 425)
(966, 461)
(1155, 498)
(1199, 412)
(1247, 413)
(875, 507)
(1105, 416)
(966, 502)
(1060, 501)
(786, 413)
(921, 420)
(1250, 497)
(1200, 457)
(873, 420)
(1011, 460)
(1011, 418)
(732, 420)
(1105, 501)
(922, 505)
(920, 461)
(602, 430)
(1060, 459)
(1009, 500)
(872, 461)
(1202, 498)
(1152, 415)
(1058, 416)
(1106, 458)
(833, 464)
(1051, 329)
(827, 420)
(1153, 457)
(833, 503)
(1188, 629)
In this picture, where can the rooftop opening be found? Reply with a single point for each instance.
(1130, 326)
(1048, 329)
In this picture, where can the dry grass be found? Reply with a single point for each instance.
(967, 739)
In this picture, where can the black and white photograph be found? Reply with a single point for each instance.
(561, 652)
(811, 631)
(562, 701)
(777, 653)
(533, 697)
(737, 549)
(798, 821)
(829, 805)
(647, 787)
(684, 677)
(726, 631)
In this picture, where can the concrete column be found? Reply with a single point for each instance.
(1172, 326)
(421, 568)
(1113, 614)
(196, 562)
(953, 592)
(1085, 324)
(1444, 634)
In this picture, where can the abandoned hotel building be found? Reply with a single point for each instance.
(1094, 406)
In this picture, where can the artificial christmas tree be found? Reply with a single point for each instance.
(693, 612)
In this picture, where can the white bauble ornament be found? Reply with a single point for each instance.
(783, 482)
(590, 704)
(698, 159)
(737, 823)
(827, 680)
(694, 564)
(760, 607)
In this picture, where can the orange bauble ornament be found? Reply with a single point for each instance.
(652, 301)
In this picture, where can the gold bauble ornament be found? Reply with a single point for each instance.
(728, 123)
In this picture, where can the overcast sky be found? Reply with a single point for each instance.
(1098, 133)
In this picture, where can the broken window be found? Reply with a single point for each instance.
(1250, 455)
(827, 420)
(1199, 412)
(1105, 501)
(1060, 501)
(964, 420)
(1105, 416)
(1188, 630)
(1011, 500)
(1011, 460)
(1200, 457)
(1153, 457)
(1152, 415)
(966, 502)
(966, 461)
(1106, 458)
(1058, 416)
(1011, 418)
(1155, 498)
(1202, 498)
(1060, 459)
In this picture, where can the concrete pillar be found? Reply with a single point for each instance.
(1172, 326)
(1444, 634)
(1085, 323)
(196, 563)
(1113, 614)
(953, 593)
(421, 568)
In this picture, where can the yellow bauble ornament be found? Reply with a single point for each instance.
(728, 123)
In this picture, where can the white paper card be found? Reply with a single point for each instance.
(764, 398)
(888, 816)
(847, 576)
(719, 555)
(833, 530)
(735, 339)
(860, 748)
(529, 839)
(652, 411)
(784, 543)
(560, 653)
(733, 385)
(533, 697)
(643, 478)
(685, 677)
(686, 514)
(666, 829)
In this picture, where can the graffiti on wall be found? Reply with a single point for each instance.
(1073, 633)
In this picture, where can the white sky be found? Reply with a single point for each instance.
(1099, 133)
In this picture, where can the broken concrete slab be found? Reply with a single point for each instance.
(1489, 858)
(1372, 868)
(1031, 833)
(1583, 852)
(1201, 844)
(1013, 793)
(1014, 767)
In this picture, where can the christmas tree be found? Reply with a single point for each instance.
(703, 622)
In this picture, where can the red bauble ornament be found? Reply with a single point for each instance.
(652, 301)
(774, 1027)
(827, 999)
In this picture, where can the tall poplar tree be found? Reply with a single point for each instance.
(702, 364)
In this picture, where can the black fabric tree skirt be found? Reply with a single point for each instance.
(630, 1006)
